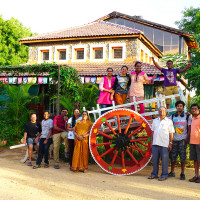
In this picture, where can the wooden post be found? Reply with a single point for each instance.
(58, 94)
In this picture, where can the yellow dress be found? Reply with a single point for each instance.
(81, 148)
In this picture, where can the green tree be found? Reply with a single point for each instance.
(17, 110)
(11, 51)
(191, 22)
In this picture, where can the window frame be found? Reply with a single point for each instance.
(92, 52)
(40, 54)
(117, 45)
(56, 53)
(74, 49)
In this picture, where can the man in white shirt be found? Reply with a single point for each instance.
(161, 138)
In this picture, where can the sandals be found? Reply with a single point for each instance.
(36, 166)
(46, 165)
(152, 177)
(29, 164)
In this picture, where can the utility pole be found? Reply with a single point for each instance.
(58, 94)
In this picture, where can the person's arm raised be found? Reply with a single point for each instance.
(156, 64)
(186, 68)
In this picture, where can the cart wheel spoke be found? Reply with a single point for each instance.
(140, 151)
(108, 151)
(136, 148)
(110, 127)
(128, 125)
(105, 135)
(142, 144)
(123, 163)
(118, 123)
(133, 158)
(105, 143)
(141, 128)
(138, 140)
(114, 158)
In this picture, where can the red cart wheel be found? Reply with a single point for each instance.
(120, 142)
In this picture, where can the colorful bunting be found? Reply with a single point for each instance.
(10, 80)
(40, 80)
(30, 79)
(93, 80)
(25, 80)
(45, 80)
(98, 80)
(87, 79)
(82, 79)
(6, 80)
(2, 80)
(14, 80)
(34, 80)
(20, 80)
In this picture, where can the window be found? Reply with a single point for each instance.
(146, 58)
(117, 52)
(44, 54)
(142, 56)
(158, 39)
(62, 54)
(150, 60)
(79, 54)
(98, 53)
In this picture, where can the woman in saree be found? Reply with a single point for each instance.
(81, 148)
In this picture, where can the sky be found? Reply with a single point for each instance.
(43, 16)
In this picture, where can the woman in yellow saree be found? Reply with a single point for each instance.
(81, 149)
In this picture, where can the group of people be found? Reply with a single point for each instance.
(169, 135)
(122, 86)
(73, 131)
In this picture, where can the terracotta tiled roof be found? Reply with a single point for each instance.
(95, 69)
(99, 69)
(98, 28)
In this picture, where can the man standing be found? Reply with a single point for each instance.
(31, 135)
(170, 75)
(195, 142)
(161, 138)
(59, 132)
(182, 126)
(45, 141)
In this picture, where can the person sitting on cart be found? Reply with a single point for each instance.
(161, 143)
(105, 87)
(170, 75)
(121, 84)
(138, 79)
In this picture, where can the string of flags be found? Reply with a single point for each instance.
(47, 80)
(26, 80)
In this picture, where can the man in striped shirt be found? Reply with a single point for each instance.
(59, 132)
